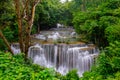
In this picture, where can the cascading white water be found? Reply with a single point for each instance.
(63, 57)
(55, 58)
(15, 48)
(39, 36)
(54, 36)
(36, 53)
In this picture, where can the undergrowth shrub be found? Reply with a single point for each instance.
(15, 68)
(108, 65)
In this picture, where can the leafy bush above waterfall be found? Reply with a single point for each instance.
(99, 24)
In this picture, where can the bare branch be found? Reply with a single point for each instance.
(36, 2)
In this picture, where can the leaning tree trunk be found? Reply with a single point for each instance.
(6, 42)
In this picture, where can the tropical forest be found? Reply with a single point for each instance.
(59, 39)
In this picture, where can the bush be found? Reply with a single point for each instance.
(113, 33)
(98, 23)
(15, 68)
(72, 75)
(108, 66)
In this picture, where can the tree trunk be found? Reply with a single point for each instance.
(19, 20)
(6, 42)
(25, 16)
(28, 31)
(83, 5)
(38, 30)
(27, 42)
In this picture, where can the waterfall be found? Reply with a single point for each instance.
(64, 57)
(36, 53)
(15, 48)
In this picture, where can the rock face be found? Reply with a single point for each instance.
(64, 57)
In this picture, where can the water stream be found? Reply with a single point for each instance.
(16, 48)
(61, 56)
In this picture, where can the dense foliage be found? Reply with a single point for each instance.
(14, 67)
(47, 14)
(8, 24)
(108, 65)
(97, 24)
(101, 25)
(97, 21)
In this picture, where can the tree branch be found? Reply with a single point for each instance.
(6, 42)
